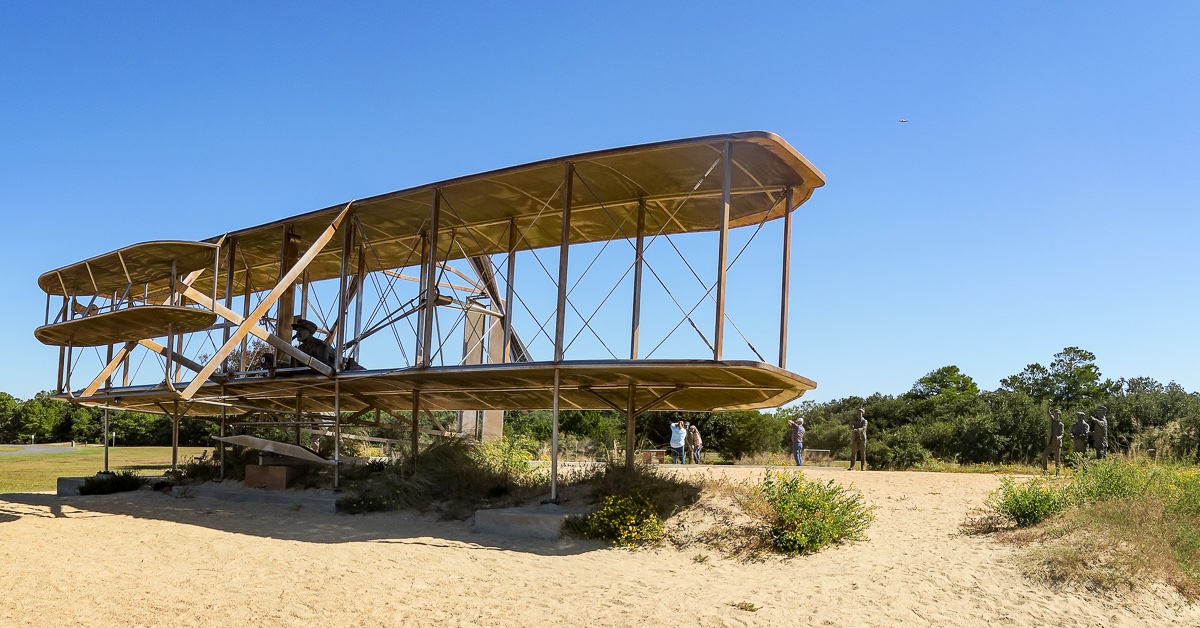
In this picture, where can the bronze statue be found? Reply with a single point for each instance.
(1100, 432)
(858, 440)
(1079, 434)
(1054, 442)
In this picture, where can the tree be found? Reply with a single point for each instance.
(947, 384)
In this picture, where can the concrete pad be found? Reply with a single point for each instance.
(69, 486)
(534, 522)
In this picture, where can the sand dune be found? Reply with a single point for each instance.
(148, 559)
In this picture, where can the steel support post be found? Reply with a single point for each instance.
(175, 438)
(419, 354)
(242, 346)
(630, 413)
(343, 293)
(221, 444)
(359, 275)
(431, 280)
(416, 412)
(554, 442)
(230, 260)
(510, 273)
(787, 273)
(639, 253)
(337, 432)
(723, 248)
(106, 439)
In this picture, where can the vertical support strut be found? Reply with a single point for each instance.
(221, 443)
(787, 273)
(560, 324)
(431, 280)
(639, 252)
(337, 431)
(418, 355)
(508, 290)
(630, 410)
(343, 293)
(175, 438)
(106, 439)
(723, 248)
(416, 412)
(230, 260)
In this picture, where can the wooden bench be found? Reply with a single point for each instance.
(817, 455)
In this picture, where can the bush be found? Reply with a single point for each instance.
(665, 491)
(1027, 503)
(900, 450)
(1112, 478)
(118, 482)
(808, 515)
(623, 520)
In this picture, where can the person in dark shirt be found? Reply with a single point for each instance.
(309, 344)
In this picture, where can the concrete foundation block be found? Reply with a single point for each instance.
(540, 522)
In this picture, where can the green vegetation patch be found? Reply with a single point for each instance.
(803, 516)
(105, 484)
(40, 472)
(1112, 524)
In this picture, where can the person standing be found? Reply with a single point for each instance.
(677, 436)
(797, 430)
(1054, 442)
(1079, 434)
(1100, 432)
(858, 440)
(696, 441)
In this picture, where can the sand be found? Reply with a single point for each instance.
(150, 559)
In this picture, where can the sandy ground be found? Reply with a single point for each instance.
(149, 559)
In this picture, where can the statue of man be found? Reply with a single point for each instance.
(1079, 434)
(1054, 442)
(1100, 432)
(309, 344)
(858, 440)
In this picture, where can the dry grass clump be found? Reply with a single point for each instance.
(1121, 525)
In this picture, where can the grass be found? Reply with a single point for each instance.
(941, 466)
(40, 472)
(1122, 524)
(4, 449)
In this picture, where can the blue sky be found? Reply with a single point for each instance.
(1042, 194)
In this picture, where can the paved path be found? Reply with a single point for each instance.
(36, 449)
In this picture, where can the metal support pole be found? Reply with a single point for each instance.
(245, 314)
(431, 280)
(175, 438)
(343, 289)
(337, 431)
(416, 412)
(230, 260)
(106, 439)
(639, 252)
(723, 248)
(508, 290)
(554, 443)
(221, 443)
(360, 275)
(419, 354)
(560, 312)
(630, 413)
(787, 272)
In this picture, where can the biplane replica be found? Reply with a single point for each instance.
(479, 293)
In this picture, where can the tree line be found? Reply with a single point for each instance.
(944, 416)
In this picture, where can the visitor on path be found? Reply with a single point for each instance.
(858, 440)
(677, 437)
(1100, 432)
(1079, 434)
(1054, 442)
(694, 443)
(797, 429)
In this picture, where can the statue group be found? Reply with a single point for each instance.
(1080, 431)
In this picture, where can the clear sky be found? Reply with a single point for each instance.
(1042, 194)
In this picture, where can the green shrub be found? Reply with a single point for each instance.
(899, 450)
(666, 492)
(808, 515)
(624, 521)
(1028, 503)
(1112, 478)
(119, 482)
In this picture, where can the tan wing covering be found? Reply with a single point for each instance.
(707, 386)
(275, 447)
(127, 325)
(145, 262)
(605, 195)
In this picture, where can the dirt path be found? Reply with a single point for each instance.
(148, 559)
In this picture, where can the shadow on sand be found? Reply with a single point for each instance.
(276, 521)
